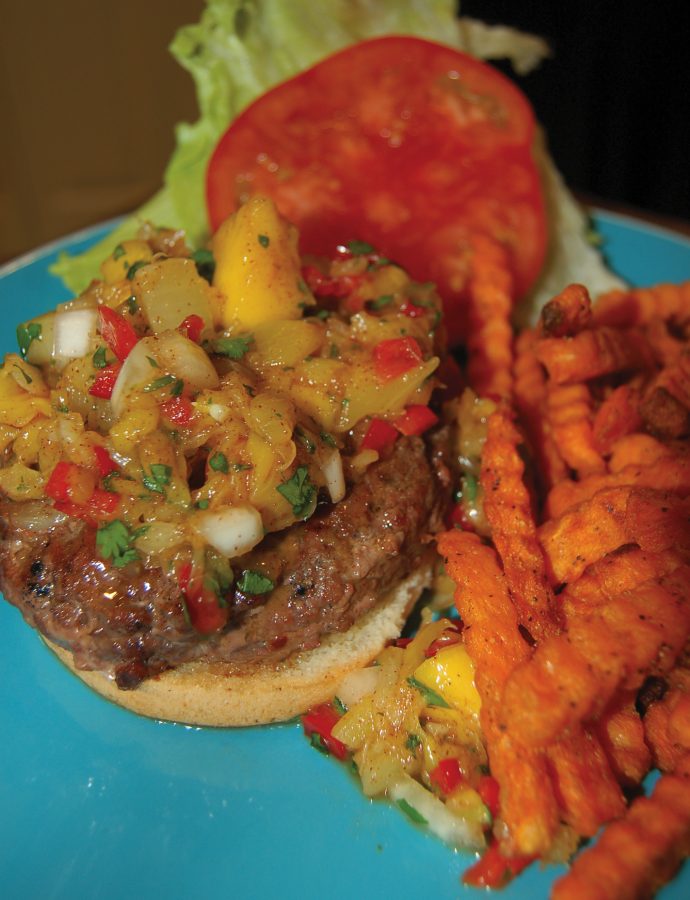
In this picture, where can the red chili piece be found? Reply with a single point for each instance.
(69, 488)
(322, 285)
(178, 410)
(410, 309)
(489, 790)
(117, 332)
(105, 381)
(320, 720)
(192, 327)
(416, 420)
(447, 639)
(379, 436)
(105, 464)
(494, 870)
(205, 612)
(447, 775)
(395, 356)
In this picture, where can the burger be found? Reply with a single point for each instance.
(221, 470)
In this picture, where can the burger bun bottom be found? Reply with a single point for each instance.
(217, 694)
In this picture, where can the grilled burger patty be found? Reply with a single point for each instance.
(327, 573)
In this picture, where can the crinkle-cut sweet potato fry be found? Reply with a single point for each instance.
(508, 509)
(621, 733)
(567, 313)
(638, 450)
(569, 413)
(673, 475)
(495, 645)
(665, 406)
(586, 788)
(625, 308)
(571, 678)
(529, 393)
(594, 353)
(614, 573)
(585, 533)
(640, 852)
(658, 520)
(665, 346)
(667, 722)
(490, 293)
(617, 417)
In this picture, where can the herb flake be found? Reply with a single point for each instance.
(431, 697)
(300, 493)
(254, 583)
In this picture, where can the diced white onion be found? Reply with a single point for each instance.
(73, 332)
(177, 354)
(217, 411)
(332, 468)
(451, 829)
(358, 684)
(232, 531)
(135, 370)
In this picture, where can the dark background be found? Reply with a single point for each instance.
(89, 97)
(614, 97)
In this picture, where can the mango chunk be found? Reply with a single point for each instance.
(258, 267)
(451, 673)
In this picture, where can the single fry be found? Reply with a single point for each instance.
(567, 313)
(569, 413)
(617, 417)
(621, 734)
(593, 353)
(640, 852)
(508, 509)
(639, 306)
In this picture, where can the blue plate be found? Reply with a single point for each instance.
(98, 803)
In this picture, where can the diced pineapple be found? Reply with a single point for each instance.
(451, 673)
(258, 267)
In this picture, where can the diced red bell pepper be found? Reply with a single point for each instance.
(192, 327)
(447, 775)
(178, 410)
(322, 285)
(416, 420)
(395, 356)
(411, 310)
(494, 870)
(117, 332)
(205, 612)
(449, 637)
(70, 483)
(105, 381)
(103, 503)
(105, 464)
(320, 720)
(489, 790)
(458, 518)
(379, 436)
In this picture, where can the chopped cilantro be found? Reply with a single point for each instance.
(381, 301)
(134, 268)
(334, 351)
(233, 348)
(161, 382)
(205, 264)
(177, 387)
(254, 583)
(132, 304)
(431, 698)
(305, 440)
(152, 362)
(264, 240)
(413, 742)
(317, 743)
(25, 375)
(114, 542)
(219, 462)
(118, 251)
(469, 488)
(360, 248)
(411, 812)
(300, 493)
(99, 359)
(158, 478)
(201, 504)
(339, 706)
(328, 439)
(27, 334)
(242, 467)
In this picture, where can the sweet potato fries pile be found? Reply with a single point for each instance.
(577, 612)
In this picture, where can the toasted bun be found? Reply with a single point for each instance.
(215, 694)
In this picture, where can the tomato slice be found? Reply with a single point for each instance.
(403, 143)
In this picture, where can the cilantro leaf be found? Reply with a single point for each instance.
(114, 541)
(254, 583)
(27, 334)
(411, 812)
(205, 264)
(219, 462)
(431, 698)
(99, 359)
(360, 248)
(158, 478)
(264, 240)
(300, 493)
(233, 348)
(161, 382)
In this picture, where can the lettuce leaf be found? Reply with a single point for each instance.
(241, 48)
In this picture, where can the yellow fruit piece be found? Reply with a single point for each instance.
(451, 674)
(257, 267)
(123, 257)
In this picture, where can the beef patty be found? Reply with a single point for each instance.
(327, 572)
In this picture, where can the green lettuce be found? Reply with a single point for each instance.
(241, 48)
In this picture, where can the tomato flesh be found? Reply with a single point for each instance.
(403, 143)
